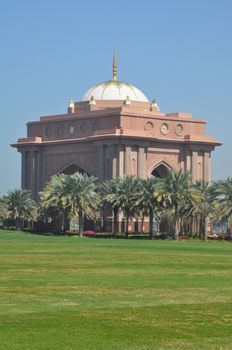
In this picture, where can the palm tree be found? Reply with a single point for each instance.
(202, 205)
(127, 192)
(80, 194)
(109, 199)
(3, 208)
(147, 200)
(53, 198)
(173, 193)
(20, 206)
(205, 204)
(223, 189)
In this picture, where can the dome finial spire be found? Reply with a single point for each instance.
(115, 66)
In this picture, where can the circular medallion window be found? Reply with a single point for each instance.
(179, 129)
(71, 129)
(164, 129)
(148, 127)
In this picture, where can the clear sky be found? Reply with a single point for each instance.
(178, 51)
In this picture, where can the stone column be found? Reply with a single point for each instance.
(37, 179)
(114, 162)
(34, 180)
(120, 161)
(101, 163)
(41, 181)
(127, 160)
(29, 171)
(141, 163)
(39, 173)
(188, 161)
(24, 170)
(206, 167)
(181, 159)
(210, 167)
(194, 166)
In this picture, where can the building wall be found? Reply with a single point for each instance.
(110, 160)
(111, 139)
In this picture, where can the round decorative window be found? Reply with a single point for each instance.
(148, 127)
(71, 129)
(179, 129)
(164, 129)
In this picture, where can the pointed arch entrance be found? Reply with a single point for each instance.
(161, 170)
(72, 169)
(88, 224)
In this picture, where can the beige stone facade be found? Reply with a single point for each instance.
(109, 138)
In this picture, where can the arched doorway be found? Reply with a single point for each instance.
(73, 225)
(161, 170)
(72, 169)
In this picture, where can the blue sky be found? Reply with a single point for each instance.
(179, 52)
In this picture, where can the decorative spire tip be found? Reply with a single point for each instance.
(115, 66)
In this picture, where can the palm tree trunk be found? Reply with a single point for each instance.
(194, 226)
(63, 222)
(230, 228)
(115, 223)
(190, 230)
(199, 226)
(18, 224)
(190, 226)
(158, 225)
(202, 227)
(176, 233)
(205, 230)
(81, 222)
(103, 222)
(151, 217)
(127, 225)
(142, 223)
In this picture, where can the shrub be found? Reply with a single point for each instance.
(184, 237)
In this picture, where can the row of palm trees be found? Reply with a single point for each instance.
(176, 202)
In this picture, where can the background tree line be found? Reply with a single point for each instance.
(174, 200)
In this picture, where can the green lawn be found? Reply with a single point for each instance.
(70, 293)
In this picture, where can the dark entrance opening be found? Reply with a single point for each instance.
(74, 224)
(160, 171)
(72, 169)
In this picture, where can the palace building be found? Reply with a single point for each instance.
(114, 130)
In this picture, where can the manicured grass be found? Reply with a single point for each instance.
(90, 294)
